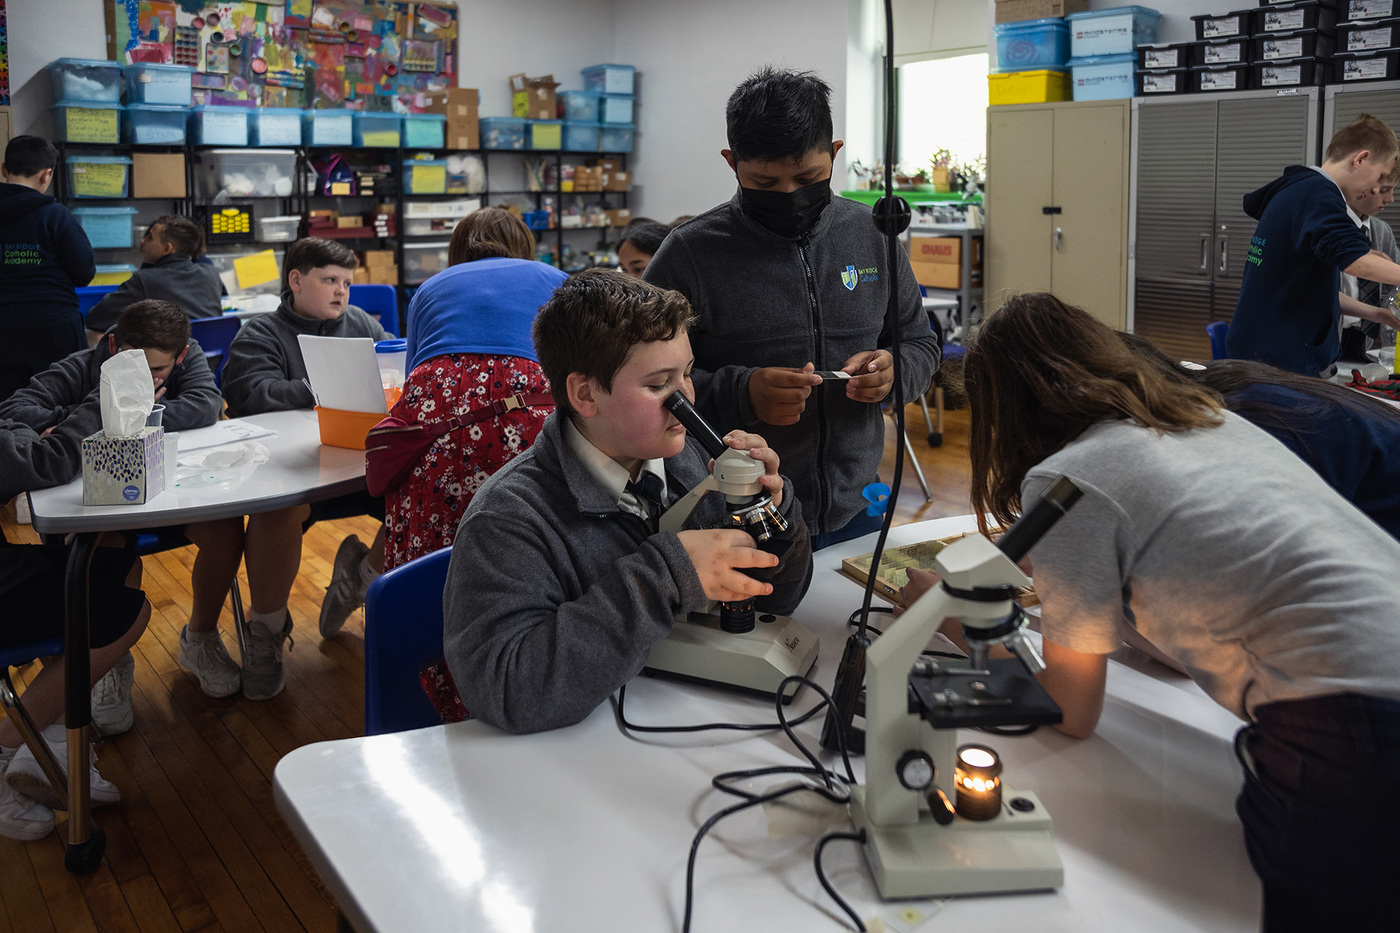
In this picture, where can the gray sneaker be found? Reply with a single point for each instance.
(25, 777)
(207, 659)
(263, 677)
(111, 698)
(343, 595)
(20, 817)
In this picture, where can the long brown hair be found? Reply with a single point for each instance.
(1039, 372)
(489, 233)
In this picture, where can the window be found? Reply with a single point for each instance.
(943, 105)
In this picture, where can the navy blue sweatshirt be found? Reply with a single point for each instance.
(44, 255)
(1288, 309)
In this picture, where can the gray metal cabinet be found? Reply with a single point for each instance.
(1195, 157)
(1345, 102)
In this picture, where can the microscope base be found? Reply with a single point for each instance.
(754, 662)
(1013, 852)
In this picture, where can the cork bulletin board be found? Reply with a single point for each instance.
(378, 55)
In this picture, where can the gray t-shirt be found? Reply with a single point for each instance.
(1229, 554)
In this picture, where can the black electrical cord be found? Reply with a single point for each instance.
(821, 875)
(626, 726)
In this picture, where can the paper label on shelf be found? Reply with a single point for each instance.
(1159, 84)
(1221, 28)
(1283, 20)
(1370, 39)
(1273, 76)
(1364, 70)
(1161, 58)
(1369, 9)
(1228, 54)
(1223, 81)
(1283, 48)
(256, 269)
(91, 125)
(101, 178)
(428, 179)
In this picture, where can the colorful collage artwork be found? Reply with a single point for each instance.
(379, 55)
(4, 58)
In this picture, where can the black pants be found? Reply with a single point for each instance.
(1321, 811)
(33, 347)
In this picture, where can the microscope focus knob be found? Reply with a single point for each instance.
(915, 769)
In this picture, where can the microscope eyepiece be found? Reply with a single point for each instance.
(699, 428)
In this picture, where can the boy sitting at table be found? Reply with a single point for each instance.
(169, 272)
(559, 582)
(266, 372)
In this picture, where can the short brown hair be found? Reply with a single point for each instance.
(490, 232)
(153, 324)
(1365, 132)
(594, 319)
(314, 253)
(180, 232)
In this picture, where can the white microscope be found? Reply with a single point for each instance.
(938, 820)
(732, 645)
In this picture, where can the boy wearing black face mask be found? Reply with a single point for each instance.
(787, 279)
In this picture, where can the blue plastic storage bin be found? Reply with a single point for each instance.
(1111, 32)
(107, 227)
(1102, 77)
(580, 137)
(327, 128)
(274, 126)
(86, 79)
(613, 138)
(97, 176)
(580, 106)
(502, 133)
(219, 126)
(78, 121)
(615, 108)
(159, 84)
(609, 79)
(378, 130)
(1032, 45)
(425, 176)
(155, 124)
(426, 130)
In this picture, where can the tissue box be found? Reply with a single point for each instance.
(123, 470)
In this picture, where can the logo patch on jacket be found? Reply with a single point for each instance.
(849, 278)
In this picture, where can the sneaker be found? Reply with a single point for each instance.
(20, 817)
(207, 659)
(111, 698)
(343, 595)
(26, 777)
(263, 677)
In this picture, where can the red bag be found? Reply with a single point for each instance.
(393, 447)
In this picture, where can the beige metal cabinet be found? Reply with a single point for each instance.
(1057, 204)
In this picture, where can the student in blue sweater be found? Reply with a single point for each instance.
(1288, 309)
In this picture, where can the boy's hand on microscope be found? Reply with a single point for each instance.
(759, 450)
(872, 375)
(778, 394)
(718, 555)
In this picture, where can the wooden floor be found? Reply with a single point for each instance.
(196, 843)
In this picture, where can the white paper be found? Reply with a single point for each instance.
(219, 433)
(126, 393)
(344, 373)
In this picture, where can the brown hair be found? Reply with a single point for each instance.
(153, 324)
(180, 232)
(594, 319)
(1039, 372)
(314, 253)
(490, 232)
(1365, 132)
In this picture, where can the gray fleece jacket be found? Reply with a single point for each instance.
(193, 286)
(766, 300)
(265, 371)
(555, 595)
(28, 461)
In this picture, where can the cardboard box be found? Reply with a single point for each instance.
(461, 107)
(533, 98)
(937, 261)
(344, 222)
(123, 470)
(607, 165)
(1014, 11)
(157, 175)
(617, 181)
(619, 217)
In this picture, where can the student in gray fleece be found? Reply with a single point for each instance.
(169, 272)
(785, 278)
(558, 585)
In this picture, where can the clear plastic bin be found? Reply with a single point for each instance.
(580, 106)
(1111, 32)
(107, 227)
(615, 138)
(87, 122)
(425, 176)
(278, 229)
(1103, 77)
(274, 126)
(426, 130)
(378, 130)
(502, 133)
(615, 108)
(112, 273)
(580, 137)
(328, 128)
(226, 263)
(422, 261)
(159, 84)
(154, 124)
(1032, 44)
(219, 126)
(87, 79)
(545, 134)
(224, 174)
(95, 176)
(610, 79)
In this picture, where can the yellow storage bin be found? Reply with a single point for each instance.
(1028, 87)
(112, 274)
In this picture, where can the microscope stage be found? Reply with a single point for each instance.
(756, 661)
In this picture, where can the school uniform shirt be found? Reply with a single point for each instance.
(191, 286)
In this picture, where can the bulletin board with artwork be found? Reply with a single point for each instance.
(378, 55)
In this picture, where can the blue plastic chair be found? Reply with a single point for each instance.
(381, 301)
(1217, 333)
(403, 632)
(89, 295)
(215, 336)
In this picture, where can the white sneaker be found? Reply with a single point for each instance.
(111, 698)
(207, 659)
(263, 677)
(343, 595)
(26, 777)
(20, 817)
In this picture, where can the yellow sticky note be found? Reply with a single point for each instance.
(256, 269)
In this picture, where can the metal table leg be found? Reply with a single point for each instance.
(85, 842)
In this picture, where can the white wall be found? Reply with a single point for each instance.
(39, 32)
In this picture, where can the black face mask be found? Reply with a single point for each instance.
(788, 214)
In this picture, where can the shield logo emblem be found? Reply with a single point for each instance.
(849, 278)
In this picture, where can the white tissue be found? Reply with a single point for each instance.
(127, 393)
